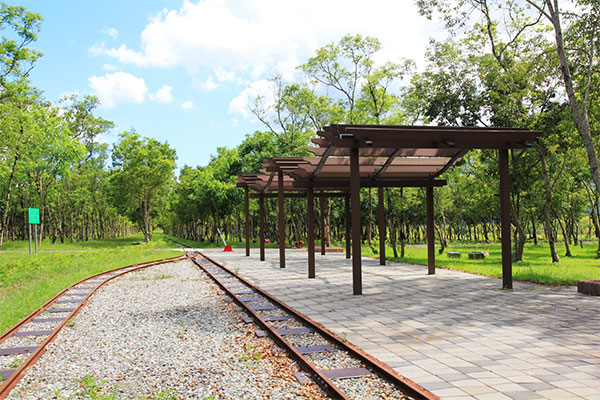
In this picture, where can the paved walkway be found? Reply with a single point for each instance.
(456, 334)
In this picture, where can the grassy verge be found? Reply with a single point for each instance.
(28, 281)
(213, 245)
(536, 266)
(158, 242)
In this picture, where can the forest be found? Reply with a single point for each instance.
(516, 64)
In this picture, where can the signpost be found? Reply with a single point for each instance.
(34, 219)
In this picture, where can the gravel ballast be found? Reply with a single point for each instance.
(162, 330)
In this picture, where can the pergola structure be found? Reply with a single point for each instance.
(353, 156)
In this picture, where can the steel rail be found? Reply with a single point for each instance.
(324, 382)
(382, 370)
(8, 384)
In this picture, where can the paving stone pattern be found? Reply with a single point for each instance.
(457, 334)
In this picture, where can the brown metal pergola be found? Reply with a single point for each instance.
(353, 156)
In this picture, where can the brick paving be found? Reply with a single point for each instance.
(457, 334)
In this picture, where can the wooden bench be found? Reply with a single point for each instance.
(478, 255)
(453, 254)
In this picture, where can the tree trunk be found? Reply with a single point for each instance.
(8, 193)
(580, 112)
(393, 223)
(534, 231)
(147, 222)
(565, 236)
(520, 239)
(550, 234)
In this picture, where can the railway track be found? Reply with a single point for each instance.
(334, 364)
(42, 326)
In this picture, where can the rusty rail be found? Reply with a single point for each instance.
(8, 384)
(382, 370)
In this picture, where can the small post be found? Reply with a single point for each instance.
(281, 215)
(382, 233)
(322, 227)
(29, 238)
(247, 222)
(35, 237)
(261, 225)
(505, 219)
(430, 233)
(310, 226)
(34, 219)
(356, 230)
(348, 225)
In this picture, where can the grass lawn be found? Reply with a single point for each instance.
(536, 267)
(28, 281)
(158, 242)
(214, 245)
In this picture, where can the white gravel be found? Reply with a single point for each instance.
(162, 330)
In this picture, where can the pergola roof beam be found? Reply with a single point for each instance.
(322, 162)
(386, 165)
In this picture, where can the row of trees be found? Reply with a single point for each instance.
(504, 64)
(51, 158)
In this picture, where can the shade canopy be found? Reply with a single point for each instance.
(349, 157)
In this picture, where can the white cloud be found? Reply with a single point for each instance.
(241, 102)
(109, 67)
(225, 76)
(112, 32)
(209, 84)
(188, 105)
(258, 36)
(162, 95)
(118, 87)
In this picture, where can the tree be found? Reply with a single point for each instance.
(16, 58)
(142, 173)
(341, 66)
(576, 47)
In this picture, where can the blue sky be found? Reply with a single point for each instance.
(184, 71)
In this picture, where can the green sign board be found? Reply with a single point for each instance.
(34, 215)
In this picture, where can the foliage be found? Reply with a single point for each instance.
(142, 173)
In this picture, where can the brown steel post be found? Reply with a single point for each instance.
(261, 225)
(430, 233)
(281, 216)
(348, 225)
(505, 219)
(247, 222)
(310, 226)
(356, 229)
(322, 227)
(382, 235)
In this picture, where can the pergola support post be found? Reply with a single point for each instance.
(281, 217)
(247, 221)
(348, 224)
(382, 233)
(261, 226)
(310, 226)
(505, 219)
(356, 230)
(430, 233)
(322, 227)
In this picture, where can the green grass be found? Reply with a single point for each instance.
(213, 245)
(536, 265)
(158, 242)
(28, 281)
